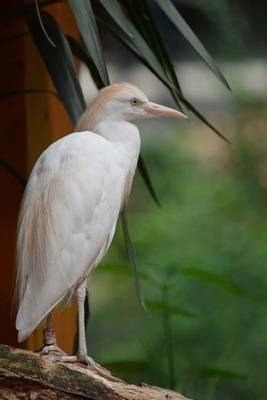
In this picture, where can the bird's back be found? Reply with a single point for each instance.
(67, 221)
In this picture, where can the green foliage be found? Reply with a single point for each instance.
(206, 245)
(59, 62)
(87, 25)
(186, 31)
(132, 257)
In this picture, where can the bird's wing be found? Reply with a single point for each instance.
(67, 220)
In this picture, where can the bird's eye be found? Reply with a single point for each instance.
(134, 102)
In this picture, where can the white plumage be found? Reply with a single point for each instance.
(72, 202)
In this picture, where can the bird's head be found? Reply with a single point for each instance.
(123, 102)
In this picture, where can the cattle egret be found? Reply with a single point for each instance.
(71, 206)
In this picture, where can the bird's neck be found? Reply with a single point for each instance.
(119, 131)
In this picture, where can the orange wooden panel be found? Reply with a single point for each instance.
(46, 122)
(28, 124)
(12, 150)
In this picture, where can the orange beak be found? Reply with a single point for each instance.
(157, 110)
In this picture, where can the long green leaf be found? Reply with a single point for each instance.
(142, 52)
(175, 17)
(202, 118)
(86, 22)
(59, 62)
(80, 51)
(144, 22)
(146, 177)
(112, 7)
(140, 45)
(132, 258)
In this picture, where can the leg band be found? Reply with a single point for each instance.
(49, 336)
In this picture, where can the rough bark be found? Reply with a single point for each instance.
(27, 375)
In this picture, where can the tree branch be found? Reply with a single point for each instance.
(27, 375)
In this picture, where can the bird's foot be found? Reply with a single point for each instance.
(88, 362)
(51, 349)
(84, 359)
(50, 344)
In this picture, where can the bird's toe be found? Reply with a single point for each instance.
(51, 349)
(66, 359)
(85, 359)
(89, 362)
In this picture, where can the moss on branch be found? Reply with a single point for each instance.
(27, 375)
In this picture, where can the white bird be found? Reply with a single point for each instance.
(71, 206)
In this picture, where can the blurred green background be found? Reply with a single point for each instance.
(202, 255)
(205, 250)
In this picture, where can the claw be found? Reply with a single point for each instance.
(82, 358)
(89, 362)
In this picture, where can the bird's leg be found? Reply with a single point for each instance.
(82, 348)
(49, 338)
(82, 355)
